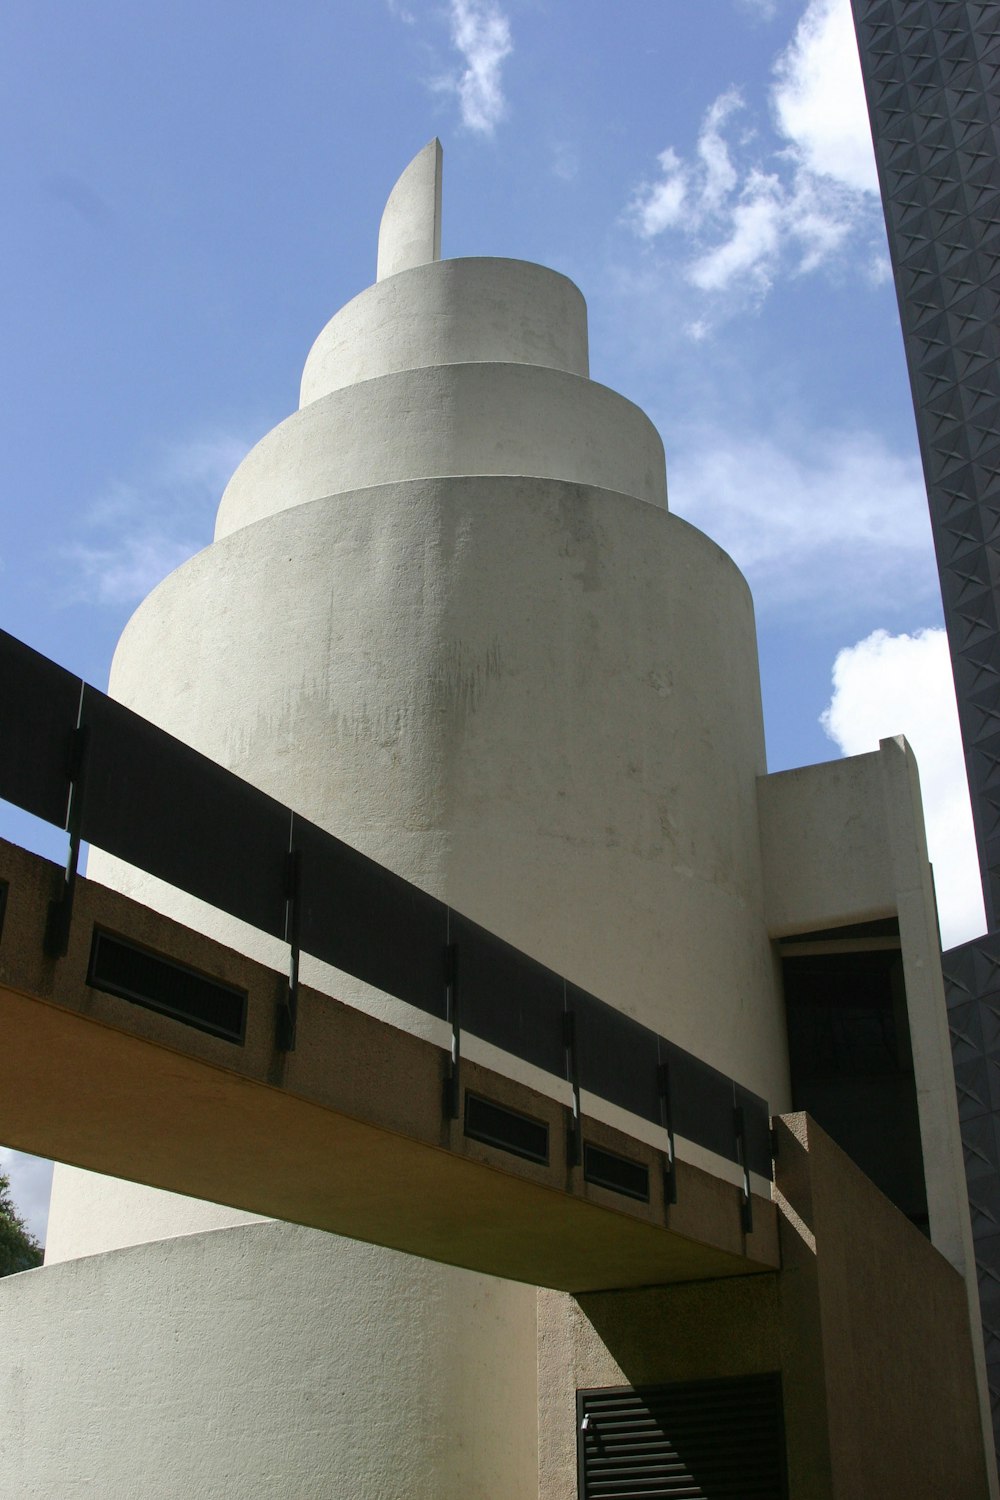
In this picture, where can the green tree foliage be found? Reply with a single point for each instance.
(19, 1250)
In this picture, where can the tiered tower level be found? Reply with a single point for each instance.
(448, 616)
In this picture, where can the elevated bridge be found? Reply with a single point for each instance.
(347, 1132)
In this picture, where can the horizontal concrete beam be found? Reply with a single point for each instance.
(347, 1133)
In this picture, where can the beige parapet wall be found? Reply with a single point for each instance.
(866, 1323)
(347, 1133)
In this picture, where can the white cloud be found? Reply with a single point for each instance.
(763, 10)
(481, 33)
(835, 519)
(720, 176)
(819, 98)
(139, 532)
(655, 206)
(752, 205)
(30, 1186)
(124, 571)
(753, 242)
(902, 684)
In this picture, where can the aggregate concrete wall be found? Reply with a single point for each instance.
(865, 1321)
(896, 1347)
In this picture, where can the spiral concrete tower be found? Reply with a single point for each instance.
(446, 615)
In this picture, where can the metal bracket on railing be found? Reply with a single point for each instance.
(61, 908)
(746, 1206)
(288, 1010)
(574, 1151)
(667, 1121)
(452, 1096)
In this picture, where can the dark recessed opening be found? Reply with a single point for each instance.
(3, 904)
(852, 1067)
(718, 1438)
(133, 973)
(508, 1129)
(620, 1174)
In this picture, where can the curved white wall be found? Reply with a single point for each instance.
(448, 313)
(256, 1362)
(130, 1213)
(450, 420)
(442, 664)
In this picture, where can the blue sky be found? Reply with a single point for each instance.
(193, 190)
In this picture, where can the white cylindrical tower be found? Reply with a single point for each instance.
(447, 616)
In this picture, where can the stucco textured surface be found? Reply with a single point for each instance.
(175, 1360)
(839, 807)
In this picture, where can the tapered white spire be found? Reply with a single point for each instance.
(410, 231)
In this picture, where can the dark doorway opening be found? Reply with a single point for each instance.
(850, 1054)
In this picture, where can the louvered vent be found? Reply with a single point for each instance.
(708, 1440)
(149, 979)
(608, 1169)
(508, 1129)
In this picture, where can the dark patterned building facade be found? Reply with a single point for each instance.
(932, 78)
